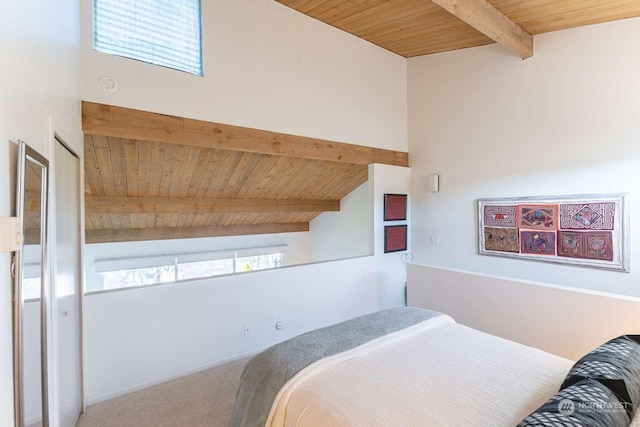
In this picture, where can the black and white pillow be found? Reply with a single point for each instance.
(587, 403)
(617, 361)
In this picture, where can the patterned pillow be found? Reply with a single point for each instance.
(587, 403)
(618, 359)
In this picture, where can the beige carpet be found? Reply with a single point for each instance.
(201, 399)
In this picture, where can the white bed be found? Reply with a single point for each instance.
(436, 373)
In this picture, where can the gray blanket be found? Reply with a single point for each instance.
(269, 371)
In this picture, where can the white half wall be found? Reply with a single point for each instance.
(347, 233)
(565, 321)
(39, 78)
(268, 67)
(566, 121)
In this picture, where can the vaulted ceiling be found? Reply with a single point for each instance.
(419, 27)
(154, 177)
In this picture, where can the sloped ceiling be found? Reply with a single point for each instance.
(154, 177)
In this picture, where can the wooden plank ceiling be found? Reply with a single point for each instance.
(419, 27)
(162, 184)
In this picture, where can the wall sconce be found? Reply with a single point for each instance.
(433, 183)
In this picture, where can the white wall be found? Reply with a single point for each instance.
(566, 121)
(347, 233)
(297, 251)
(39, 47)
(266, 67)
(565, 321)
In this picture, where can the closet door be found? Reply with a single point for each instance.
(67, 282)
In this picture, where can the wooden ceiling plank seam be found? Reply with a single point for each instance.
(115, 221)
(157, 159)
(341, 184)
(294, 4)
(411, 49)
(168, 165)
(107, 221)
(228, 161)
(175, 218)
(182, 154)
(385, 12)
(490, 21)
(189, 171)
(522, 12)
(307, 170)
(128, 235)
(131, 167)
(413, 52)
(416, 31)
(427, 20)
(101, 119)
(329, 174)
(182, 222)
(291, 173)
(91, 167)
(151, 221)
(144, 167)
(267, 178)
(88, 222)
(245, 178)
(189, 221)
(202, 166)
(207, 182)
(142, 220)
(319, 7)
(278, 175)
(124, 221)
(342, 11)
(313, 174)
(310, 5)
(257, 177)
(96, 222)
(116, 152)
(103, 158)
(594, 15)
(133, 221)
(238, 175)
(87, 185)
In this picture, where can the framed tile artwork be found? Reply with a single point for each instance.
(395, 238)
(395, 207)
(585, 230)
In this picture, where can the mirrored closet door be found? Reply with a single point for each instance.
(30, 291)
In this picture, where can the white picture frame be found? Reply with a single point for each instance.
(587, 230)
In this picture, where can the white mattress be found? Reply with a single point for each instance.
(437, 373)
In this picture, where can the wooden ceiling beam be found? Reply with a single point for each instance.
(138, 234)
(485, 18)
(167, 205)
(109, 120)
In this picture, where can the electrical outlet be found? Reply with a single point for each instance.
(247, 329)
(282, 323)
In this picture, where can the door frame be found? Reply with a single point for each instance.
(57, 135)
